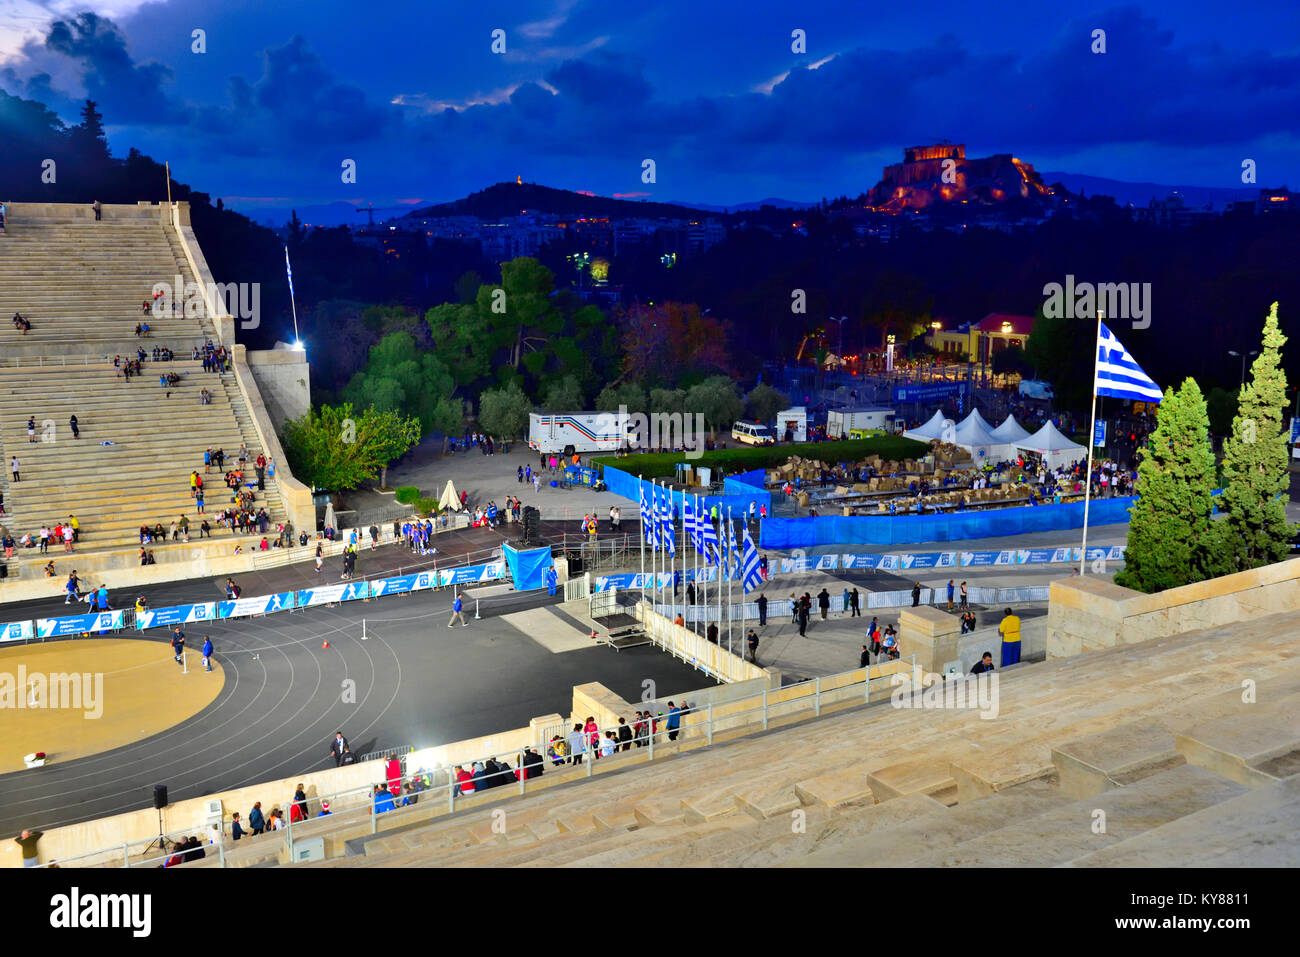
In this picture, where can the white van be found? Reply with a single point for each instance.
(752, 433)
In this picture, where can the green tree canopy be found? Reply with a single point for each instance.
(627, 394)
(504, 411)
(563, 394)
(717, 400)
(1170, 534)
(402, 379)
(1255, 474)
(333, 447)
(764, 402)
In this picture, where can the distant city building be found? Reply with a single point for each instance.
(981, 341)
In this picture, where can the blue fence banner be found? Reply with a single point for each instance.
(1099, 434)
(348, 591)
(79, 624)
(950, 526)
(926, 560)
(399, 584)
(16, 631)
(471, 574)
(261, 605)
(175, 615)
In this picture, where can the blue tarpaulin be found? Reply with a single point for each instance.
(528, 568)
(947, 527)
(739, 497)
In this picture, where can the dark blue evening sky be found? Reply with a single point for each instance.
(710, 90)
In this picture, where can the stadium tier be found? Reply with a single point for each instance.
(1143, 755)
(81, 284)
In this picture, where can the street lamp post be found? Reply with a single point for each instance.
(1244, 356)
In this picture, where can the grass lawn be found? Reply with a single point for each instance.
(746, 457)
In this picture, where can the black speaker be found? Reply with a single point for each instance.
(4, 571)
(159, 796)
(532, 525)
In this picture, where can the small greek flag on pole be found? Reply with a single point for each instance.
(288, 270)
(710, 541)
(752, 576)
(1118, 375)
(688, 521)
(666, 522)
(647, 520)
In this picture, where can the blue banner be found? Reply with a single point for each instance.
(16, 631)
(175, 615)
(926, 560)
(979, 558)
(260, 605)
(924, 393)
(79, 624)
(348, 591)
(471, 574)
(399, 584)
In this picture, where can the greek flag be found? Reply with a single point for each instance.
(1118, 375)
(666, 522)
(288, 270)
(737, 557)
(751, 575)
(688, 521)
(647, 521)
(697, 533)
(709, 541)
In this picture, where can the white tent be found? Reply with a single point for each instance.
(974, 436)
(930, 430)
(1010, 432)
(1054, 447)
(977, 419)
(450, 498)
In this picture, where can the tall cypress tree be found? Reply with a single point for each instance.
(1255, 476)
(1170, 539)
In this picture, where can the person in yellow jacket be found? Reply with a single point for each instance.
(1009, 629)
(591, 527)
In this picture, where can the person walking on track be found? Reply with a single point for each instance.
(457, 611)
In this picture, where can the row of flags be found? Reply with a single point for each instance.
(738, 558)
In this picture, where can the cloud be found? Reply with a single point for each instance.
(131, 92)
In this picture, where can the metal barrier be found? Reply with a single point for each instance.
(804, 699)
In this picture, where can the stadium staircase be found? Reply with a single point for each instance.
(81, 284)
(1143, 755)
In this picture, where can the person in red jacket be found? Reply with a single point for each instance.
(593, 736)
(464, 781)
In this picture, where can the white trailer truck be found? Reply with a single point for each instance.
(580, 431)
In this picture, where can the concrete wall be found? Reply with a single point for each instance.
(1087, 614)
(143, 212)
(713, 660)
(188, 816)
(284, 381)
(296, 496)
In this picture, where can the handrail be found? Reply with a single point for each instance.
(444, 786)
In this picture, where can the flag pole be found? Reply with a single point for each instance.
(695, 562)
(731, 531)
(1092, 437)
(672, 558)
(641, 490)
(703, 595)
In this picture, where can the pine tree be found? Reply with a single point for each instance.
(1170, 534)
(1255, 477)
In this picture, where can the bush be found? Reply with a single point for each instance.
(407, 494)
(427, 506)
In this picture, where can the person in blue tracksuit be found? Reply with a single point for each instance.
(457, 611)
(207, 653)
(552, 579)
